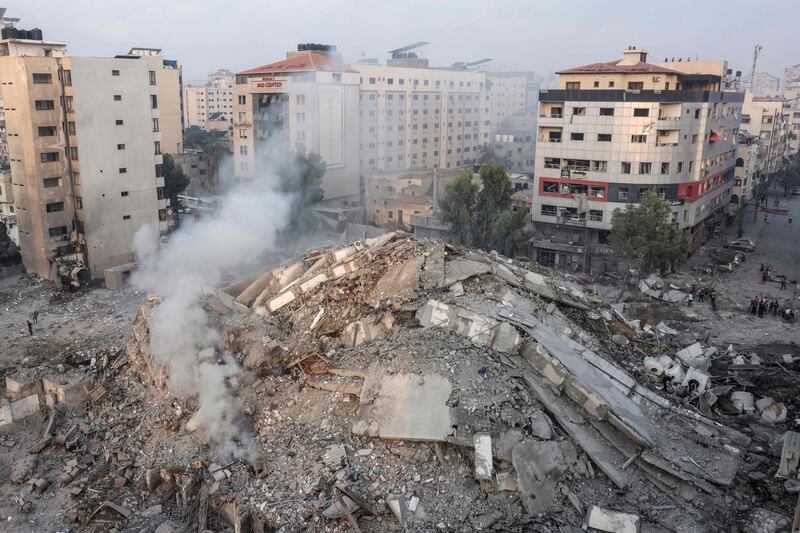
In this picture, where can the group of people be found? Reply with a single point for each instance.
(766, 275)
(701, 294)
(761, 306)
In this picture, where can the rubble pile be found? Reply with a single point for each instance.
(403, 384)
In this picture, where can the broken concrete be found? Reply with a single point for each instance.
(612, 521)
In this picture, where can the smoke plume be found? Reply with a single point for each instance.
(197, 256)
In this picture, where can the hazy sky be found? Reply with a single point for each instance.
(541, 35)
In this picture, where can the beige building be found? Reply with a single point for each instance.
(763, 118)
(763, 84)
(202, 175)
(85, 143)
(746, 174)
(211, 101)
(791, 95)
(308, 102)
(508, 96)
(613, 131)
(7, 210)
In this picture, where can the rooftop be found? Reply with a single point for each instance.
(615, 67)
(303, 62)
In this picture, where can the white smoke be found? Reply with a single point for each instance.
(198, 255)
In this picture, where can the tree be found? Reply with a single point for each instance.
(301, 177)
(482, 216)
(643, 235)
(458, 205)
(791, 176)
(175, 181)
(488, 155)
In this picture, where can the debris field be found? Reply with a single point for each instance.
(397, 384)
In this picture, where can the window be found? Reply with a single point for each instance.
(549, 210)
(119, 122)
(120, 147)
(639, 139)
(300, 99)
(604, 137)
(152, 75)
(117, 97)
(162, 215)
(70, 128)
(337, 78)
(243, 148)
(242, 99)
(578, 111)
(65, 76)
(243, 166)
(599, 166)
(58, 231)
(55, 207)
(52, 182)
(643, 191)
(664, 168)
(123, 193)
(645, 168)
(611, 84)
(372, 81)
(45, 105)
(73, 153)
(635, 85)
(76, 178)
(625, 167)
(694, 138)
(576, 136)
(242, 133)
(622, 193)
(661, 192)
(301, 118)
(597, 191)
(155, 124)
(697, 115)
(573, 85)
(157, 147)
(124, 170)
(42, 78)
(606, 111)
(680, 166)
(126, 217)
(153, 101)
(691, 166)
(595, 215)
(159, 171)
(641, 112)
(115, 73)
(48, 157)
(552, 162)
(596, 83)
(47, 131)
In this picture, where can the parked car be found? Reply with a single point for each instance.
(795, 192)
(743, 244)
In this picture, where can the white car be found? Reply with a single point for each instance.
(795, 192)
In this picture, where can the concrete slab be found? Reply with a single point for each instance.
(483, 456)
(398, 284)
(480, 329)
(613, 521)
(461, 269)
(404, 406)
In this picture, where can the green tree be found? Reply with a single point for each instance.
(791, 176)
(643, 235)
(175, 181)
(493, 199)
(458, 205)
(301, 178)
(482, 216)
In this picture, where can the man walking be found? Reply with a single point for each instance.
(30, 327)
(35, 316)
(713, 297)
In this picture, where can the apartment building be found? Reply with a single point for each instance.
(746, 173)
(211, 101)
(7, 211)
(763, 84)
(85, 142)
(515, 143)
(763, 118)
(308, 102)
(419, 117)
(791, 95)
(508, 96)
(613, 131)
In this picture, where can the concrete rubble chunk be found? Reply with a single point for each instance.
(695, 357)
(481, 330)
(541, 426)
(22, 469)
(484, 466)
(539, 465)
(790, 455)
(612, 521)
(398, 284)
(404, 406)
(334, 456)
(462, 269)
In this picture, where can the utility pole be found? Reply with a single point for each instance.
(756, 51)
(435, 187)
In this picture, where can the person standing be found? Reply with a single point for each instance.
(690, 299)
(783, 283)
(35, 316)
(753, 306)
(712, 296)
(30, 327)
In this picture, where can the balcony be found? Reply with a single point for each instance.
(571, 220)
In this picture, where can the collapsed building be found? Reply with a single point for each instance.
(403, 384)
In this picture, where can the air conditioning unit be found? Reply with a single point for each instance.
(656, 78)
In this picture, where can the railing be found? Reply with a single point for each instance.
(552, 165)
(571, 220)
(665, 144)
(549, 140)
(551, 115)
(665, 117)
